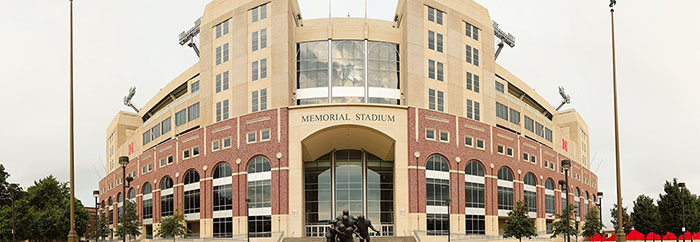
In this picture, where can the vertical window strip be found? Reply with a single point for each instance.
(254, 71)
(263, 99)
(254, 101)
(225, 81)
(469, 81)
(440, 101)
(254, 41)
(440, 71)
(225, 57)
(263, 68)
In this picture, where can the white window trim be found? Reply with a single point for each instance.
(230, 143)
(434, 134)
(268, 137)
(259, 176)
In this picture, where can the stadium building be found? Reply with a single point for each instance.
(285, 122)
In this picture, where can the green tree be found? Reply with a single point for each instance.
(101, 230)
(626, 221)
(645, 215)
(132, 224)
(592, 225)
(670, 208)
(518, 224)
(561, 227)
(173, 226)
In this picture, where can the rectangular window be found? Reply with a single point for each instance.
(514, 116)
(548, 136)
(470, 82)
(475, 196)
(254, 13)
(505, 198)
(252, 137)
(531, 200)
(225, 55)
(475, 33)
(499, 87)
(476, 83)
(143, 170)
(191, 201)
(254, 101)
(195, 151)
(431, 14)
(218, 55)
(440, 101)
(440, 71)
(194, 87)
(526, 156)
(165, 125)
(150, 167)
(509, 151)
(146, 137)
(470, 109)
(166, 205)
(469, 54)
(218, 30)
(529, 124)
(147, 209)
(476, 224)
(218, 111)
(468, 30)
(224, 110)
(263, 68)
(223, 227)
(193, 112)
(438, 17)
(227, 142)
(265, 135)
(155, 131)
(477, 111)
(263, 38)
(437, 224)
(431, 99)
(539, 129)
(218, 83)
(502, 111)
(254, 71)
(215, 145)
(260, 226)
(439, 42)
(431, 40)
(222, 197)
(263, 99)
(476, 56)
(431, 69)
(533, 159)
(224, 81)
(225, 28)
(254, 41)
(469, 141)
(162, 162)
(480, 143)
(263, 11)
(444, 136)
(430, 134)
(186, 154)
(501, 149)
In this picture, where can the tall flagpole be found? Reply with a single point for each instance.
(72, 235)
(620, 233)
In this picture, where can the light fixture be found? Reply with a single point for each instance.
(566, 99)
(123, 160)
(508, 38)
(566, 164)
(187, 37)
(128, 97)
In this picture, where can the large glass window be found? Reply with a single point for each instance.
(380, 190)
(474, 185)
(260, 226)
(530, 192)
(505, 189)
(166, 197)
(437, 224)
(222, 188)
(501, 111)
(476, 224)
(348, 68)
(437, 173)
(191, 192)
(348, 181)
(318, 190)
(193, 112)
(223, 227)
(382, 71)
(181, 117)
(259, 183)
(549, 196)
(166, 125)
(529, 124)
(147, 210)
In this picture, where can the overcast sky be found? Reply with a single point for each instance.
(119, 44)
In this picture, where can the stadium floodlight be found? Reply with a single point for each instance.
(566, 99)
(508, 38)
(187, 37)
(127, 99)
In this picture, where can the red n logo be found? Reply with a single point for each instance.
(131, 148)
(563, 145)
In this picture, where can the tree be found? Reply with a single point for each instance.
(592, 225)
(131, 221)
(670, 208)
(101, 230)
(173, 226)
(561, 227)
(518, 224)
(645, 215)
(626, 222)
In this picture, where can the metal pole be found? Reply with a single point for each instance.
(683, 213)
(600, 212)
(72, 235)
(97, 219)
(13, 215)
(449, 226)
(123, 203)
(620, 233)
(568, 217)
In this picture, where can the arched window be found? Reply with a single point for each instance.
(191, 192)
(585, 207)
(577, 202)
(549, 196)
(505, 189)
(147, 203)
(166, 197)
(437, 181)
(530, 189)
(222, 195)
(120, 199)
(109, 211)
(109, 201)
(222, 170)
(132, 193)
(260, 195)
(475, 198)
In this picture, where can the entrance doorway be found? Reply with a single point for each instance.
(351, 179)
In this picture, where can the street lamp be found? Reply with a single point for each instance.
(448, 218)
(565, 189)
(123, 160)
(566, 164)
(96, 194)
(682, 186)
(600, 211)
(13, 187)
(247, 218)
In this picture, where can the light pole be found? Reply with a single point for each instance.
(682, 186)
(247, 218)
(123, 160)
(565, 210)
(13, 187)
(600, 212)
(72, 235)
(96, 194)
(448, 219)
(620, 233)
(566, 164)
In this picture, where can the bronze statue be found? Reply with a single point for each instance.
(345, 220)
(362, 227)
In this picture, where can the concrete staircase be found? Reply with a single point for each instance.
(373, 239)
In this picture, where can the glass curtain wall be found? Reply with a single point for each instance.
(360, 72)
